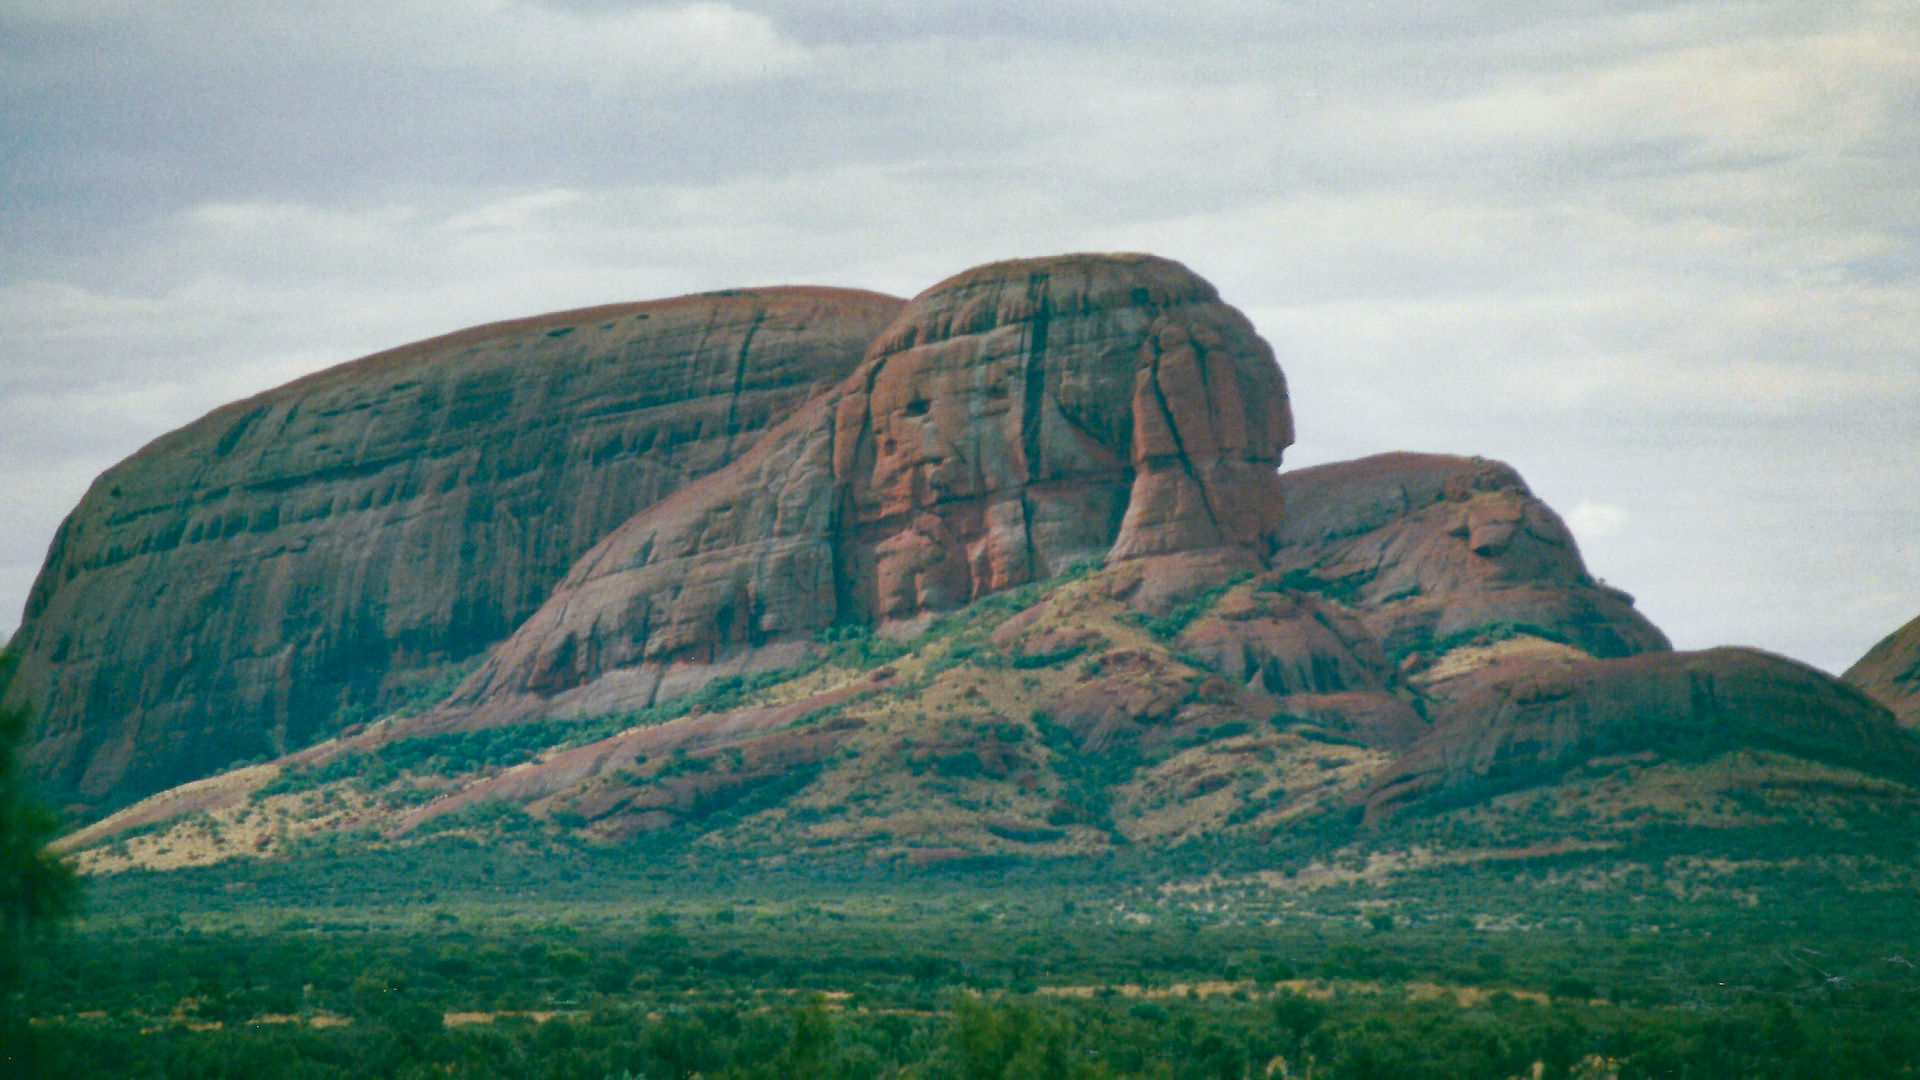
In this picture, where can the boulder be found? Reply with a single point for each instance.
(1395, 577)
(301, 559)
(1890, 673)
(1012, 421)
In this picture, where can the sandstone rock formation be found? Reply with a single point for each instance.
(1289, 642)
(606, 509)
(1890, 673)
(1012, 421)
(289, 562)
(1429, 548)
(1525, 724)
(1395, 576)
(1065, 721)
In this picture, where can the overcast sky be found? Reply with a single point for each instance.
(1662, 258)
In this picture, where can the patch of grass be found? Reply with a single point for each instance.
(1087, 779)
(1053, 658)
(680, 763)
(1488, 634)
(488, 815)
(1254, 807)
(293, 779)
(1341, 590)
(436, 689)
(161, 827)
(853, 646)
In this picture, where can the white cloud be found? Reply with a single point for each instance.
(607, 49)
(702, 41)
(1597, 521)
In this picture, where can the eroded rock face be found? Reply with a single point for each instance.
(262, 576)
(1286, 642)
(1527, 723)
(1025, 415)
(1395, 577)
(1890, 673)
(1428, 548)
(1013, 420)
(1372, 719)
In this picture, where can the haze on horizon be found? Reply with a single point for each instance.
(1662, 258)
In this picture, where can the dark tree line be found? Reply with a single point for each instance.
(36, 888)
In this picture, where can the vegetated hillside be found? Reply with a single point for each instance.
(1890, 673)
(323, 552)
(1145, 705)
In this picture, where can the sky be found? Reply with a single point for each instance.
(1661, 258)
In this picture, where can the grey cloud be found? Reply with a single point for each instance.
(1661, 257)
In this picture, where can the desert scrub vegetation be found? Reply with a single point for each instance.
(806, 989)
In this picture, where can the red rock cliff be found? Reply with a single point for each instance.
(1012, 420)
(260, 577)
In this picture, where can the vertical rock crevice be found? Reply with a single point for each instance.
(1034, 378)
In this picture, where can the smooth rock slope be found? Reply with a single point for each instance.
(309, 556)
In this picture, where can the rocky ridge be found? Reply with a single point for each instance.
(1514, 726)
(1149, 702)
(1027, 579)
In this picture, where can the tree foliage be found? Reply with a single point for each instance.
(36, 887)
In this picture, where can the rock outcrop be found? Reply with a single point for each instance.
(1289, 642)
(1012, 421)
(1430, 549)
(291, 562)
(1394, 577)
(1890, 673)
(1526, 724)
